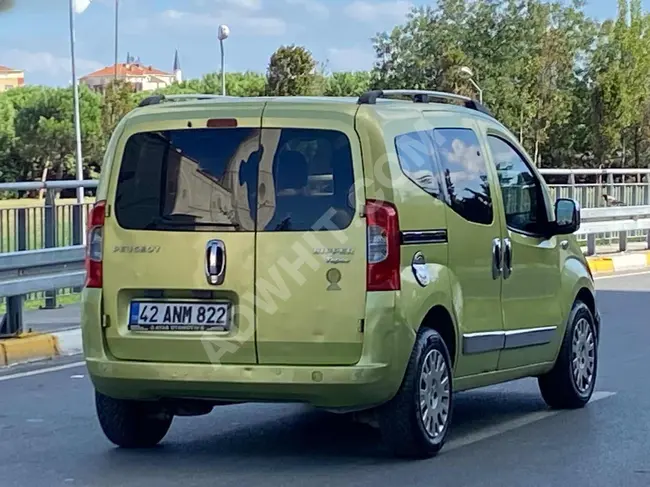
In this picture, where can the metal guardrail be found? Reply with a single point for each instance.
(30, 271)
(620, 219)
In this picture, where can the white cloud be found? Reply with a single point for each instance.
(252, 5)
(350, 59)
(367, 11)
(312, 6)
(244, 23)
(47, 63)
(247, 4)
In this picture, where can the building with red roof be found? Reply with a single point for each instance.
(142, 77)
(11, 78)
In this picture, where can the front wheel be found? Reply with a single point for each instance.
(415, 423)
(132, 424)
(570, 384)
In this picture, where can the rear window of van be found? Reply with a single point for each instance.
(236, 179)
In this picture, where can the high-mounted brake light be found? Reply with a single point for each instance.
(94, 268)
(383, 268)
(216, 123)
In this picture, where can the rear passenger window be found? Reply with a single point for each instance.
(465, 174)
(414, 151)
(306, 181)
(189, 180)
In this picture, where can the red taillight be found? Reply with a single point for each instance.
(383, 272)
(94, 244)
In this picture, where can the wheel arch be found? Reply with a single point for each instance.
(439, 319)
(586, 296)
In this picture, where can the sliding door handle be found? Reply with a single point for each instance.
(507, 258)
(497, 264)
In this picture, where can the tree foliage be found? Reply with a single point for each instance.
(291, 72)
(574, 90)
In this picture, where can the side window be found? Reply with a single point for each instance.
(465, 174)
(414, 152)
(522, 198)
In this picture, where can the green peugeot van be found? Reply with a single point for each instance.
(370, 256)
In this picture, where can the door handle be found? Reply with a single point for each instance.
(497, 265)
(507, 258)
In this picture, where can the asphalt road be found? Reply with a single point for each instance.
(502, 436)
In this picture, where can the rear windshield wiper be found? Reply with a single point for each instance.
(180, 220)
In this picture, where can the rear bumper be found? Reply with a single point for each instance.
(335, 387)
(373, 380)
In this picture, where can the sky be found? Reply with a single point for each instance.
(35, 37)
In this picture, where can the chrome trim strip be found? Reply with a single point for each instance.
(494, 341)
(413, 237)
(529, 337)
(491, 341)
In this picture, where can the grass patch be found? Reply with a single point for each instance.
(35, 304)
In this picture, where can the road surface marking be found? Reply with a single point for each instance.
(615, 276)
(512, 424)
(31, 373)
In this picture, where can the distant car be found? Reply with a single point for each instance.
(371, 255)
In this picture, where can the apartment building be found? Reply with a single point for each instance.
(11, 78)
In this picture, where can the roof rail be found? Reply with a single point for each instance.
(422, 96)
(157, 99)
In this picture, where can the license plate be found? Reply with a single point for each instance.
(178, 316)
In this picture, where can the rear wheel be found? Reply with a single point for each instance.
(132, 424)
(570, 384)
(415, 423)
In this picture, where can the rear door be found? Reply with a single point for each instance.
(179, 250)
(311, 240)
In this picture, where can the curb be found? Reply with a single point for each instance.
(32, 347)
(617, 263)
(27, 348)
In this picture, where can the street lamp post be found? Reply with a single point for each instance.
(466, 70)
(224, 32)
(77, 121)
(117, 23)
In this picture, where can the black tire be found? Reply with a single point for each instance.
(132, 424)
(400, 419)
(559, 388)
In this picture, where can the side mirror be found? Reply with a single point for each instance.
(567, 216)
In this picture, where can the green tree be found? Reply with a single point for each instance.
(620, 69)
(347, 83)
(46, 139)
(522, 53)
(292, 72)
(7, 138)
(117, 101)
